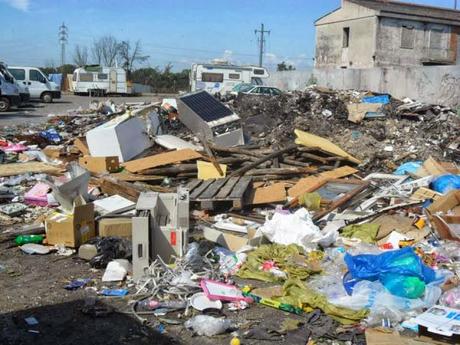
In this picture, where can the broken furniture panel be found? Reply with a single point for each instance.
(210, 119)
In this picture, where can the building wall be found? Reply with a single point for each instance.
(361, 49)
(429, 84)
(390, 51)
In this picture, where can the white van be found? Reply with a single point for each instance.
(99, 81)
(40, 88)
(9, 94)
(23, 89)
(219, 78)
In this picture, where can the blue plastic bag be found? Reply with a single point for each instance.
(410, 167)
(446, 183)
(384, 99)
(51, 135)
(400, 271)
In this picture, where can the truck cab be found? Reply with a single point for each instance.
(9, 93)
(23, 89)
(40, 88)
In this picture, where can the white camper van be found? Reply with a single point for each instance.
(99, 81)
(40, 87)
(218, 78)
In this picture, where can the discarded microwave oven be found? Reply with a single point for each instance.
(209, 118)
(160, 228)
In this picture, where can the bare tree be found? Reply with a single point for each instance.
(130, 55)
(80, 55)
(105, 50)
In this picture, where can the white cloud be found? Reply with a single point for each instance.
(228, 54)
(22, 5)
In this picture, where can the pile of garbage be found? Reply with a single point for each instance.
(342, 213)
(392, 131)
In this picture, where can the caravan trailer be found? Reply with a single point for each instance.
(97, 80)
(218, 78)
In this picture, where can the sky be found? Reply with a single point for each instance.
(179, 32)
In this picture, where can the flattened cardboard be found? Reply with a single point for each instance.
(276, 193)
(161, 159)
(13, 169)
(207, 171)
(53, 151)
(118, 227)
(357, 111)
(81, 145)
(311, 140)
(100, 165)
(432, 167)
(71, 230)
(229, 241)
(449, 202)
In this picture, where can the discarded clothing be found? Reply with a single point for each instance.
(285, 258)
(365, 232)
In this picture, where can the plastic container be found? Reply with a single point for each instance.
(24, 239)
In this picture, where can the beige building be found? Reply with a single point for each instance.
(379, 33)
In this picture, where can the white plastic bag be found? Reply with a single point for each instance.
(208, 325)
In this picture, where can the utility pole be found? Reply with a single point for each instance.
(455, 4)
(63, 35)
(262, 32)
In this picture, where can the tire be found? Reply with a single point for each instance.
(4, 104)
(47, 97)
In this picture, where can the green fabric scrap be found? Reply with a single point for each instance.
(282, 255)
(298, 294)
(310, 201)
(364, 232)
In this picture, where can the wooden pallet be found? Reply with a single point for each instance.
(210, 193)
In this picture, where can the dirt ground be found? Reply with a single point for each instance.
(33, 285)
(37, 112)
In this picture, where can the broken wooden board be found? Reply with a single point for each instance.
(208, 171)
(307, 182)
(81, 144)
(311, 140)
(161, 159)
(13, 169)
(230, 190)
(276, 193)
(126, 176)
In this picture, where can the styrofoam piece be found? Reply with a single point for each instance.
(172, 142)
(113, 204)
(116, 270)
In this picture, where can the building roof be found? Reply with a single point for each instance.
(405, 8)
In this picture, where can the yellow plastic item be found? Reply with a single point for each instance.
(235, 341)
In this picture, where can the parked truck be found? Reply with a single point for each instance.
(97, 80)
(9, 92)
(40, 87)
(24, 94)
(220, 77)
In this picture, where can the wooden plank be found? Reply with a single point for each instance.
(231, 182)
(306, 183)
(127, 190)
(241, 187)
(213, 189)
(12, 169)
(193, 184)
(126, 176)
(197, 192)
(161, 159)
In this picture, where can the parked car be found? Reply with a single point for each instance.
(241, 87)
(262, 91)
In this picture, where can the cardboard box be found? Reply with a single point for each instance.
(53, 151)
(72, 229)
(118, 227)
(445, 216)
(440, 323)
(100, 165)
(81, 144)
(231, 241)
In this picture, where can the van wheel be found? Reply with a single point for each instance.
(4, 104)
(47, 98)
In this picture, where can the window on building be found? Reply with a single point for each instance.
(346, 37)
(86, 77)
(102, 76)
(407, 37)
(436, 38)
(212, 77)
(18, 73)
(233, 76)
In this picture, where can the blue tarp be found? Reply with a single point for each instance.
(384, 99)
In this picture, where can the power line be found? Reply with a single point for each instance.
(63, 35)
(261, 42)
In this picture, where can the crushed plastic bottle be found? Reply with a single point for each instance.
(208, 325)
(24, 239)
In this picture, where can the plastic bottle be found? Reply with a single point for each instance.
(23, 239)
(147, 305)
